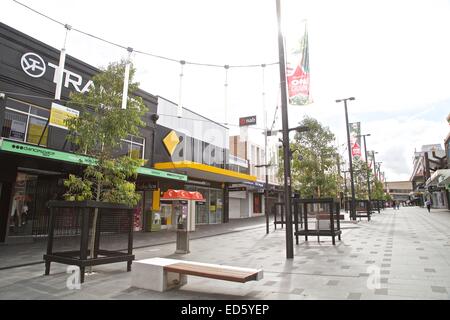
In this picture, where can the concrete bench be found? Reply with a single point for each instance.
(160, 274)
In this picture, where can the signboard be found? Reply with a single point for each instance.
(59, 114)
(148, 186)
(232, 189)
(254, 184)
(247, 121)
(17, 130)
(21, 148)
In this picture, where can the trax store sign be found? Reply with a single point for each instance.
(36, 67)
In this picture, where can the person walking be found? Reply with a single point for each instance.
(428, 204)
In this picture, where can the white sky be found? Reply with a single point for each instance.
(393, 56)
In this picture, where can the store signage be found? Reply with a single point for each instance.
(148, 186)
(201, 183)
(21, 148)
(59, 114)
(254, 184)
(247, 121)
(237, 189)
(162, 174)
(34, 66)
(17, 130)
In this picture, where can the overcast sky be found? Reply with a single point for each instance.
(392, 56)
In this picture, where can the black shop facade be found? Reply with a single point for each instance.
(35, 156)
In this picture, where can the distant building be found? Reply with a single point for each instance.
(428, 169)
(247, 199)
(399, 190)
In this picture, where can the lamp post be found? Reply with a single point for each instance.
(287, 154)
(345, 189)
(352, 206)
(266, 192)
(367, 163)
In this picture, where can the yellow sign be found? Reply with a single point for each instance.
(156, 204)
(171, 141)
(59, 114)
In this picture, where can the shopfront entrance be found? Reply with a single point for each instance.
(27, 214)
(209, 211)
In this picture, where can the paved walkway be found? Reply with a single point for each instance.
(31, 252)
(400, 254)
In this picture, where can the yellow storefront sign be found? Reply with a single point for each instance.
(59, 114)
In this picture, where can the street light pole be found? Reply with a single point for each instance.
(352, 206)
(266, 192)
(286, 149)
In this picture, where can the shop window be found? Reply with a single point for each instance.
(25, 122)
(35, 129)
(133, 147)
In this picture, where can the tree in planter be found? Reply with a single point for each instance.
(98, 132)
(360, 171)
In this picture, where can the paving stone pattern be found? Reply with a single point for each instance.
(375, 260)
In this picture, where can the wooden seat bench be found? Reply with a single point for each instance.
(161, 274)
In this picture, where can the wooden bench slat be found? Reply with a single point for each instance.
(211, 272)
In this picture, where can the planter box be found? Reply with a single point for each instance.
(70, 226)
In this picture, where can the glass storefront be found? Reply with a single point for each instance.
(211, 210)
(22, 205)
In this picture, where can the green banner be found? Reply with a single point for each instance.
(21, 148)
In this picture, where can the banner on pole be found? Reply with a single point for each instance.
(355, 139)
(297, 70)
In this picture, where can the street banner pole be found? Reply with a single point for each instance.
(286, 148)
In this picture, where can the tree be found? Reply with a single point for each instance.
(378, 191)
(360, 172)
(98, 132)
(315, 174)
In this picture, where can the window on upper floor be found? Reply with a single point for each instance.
(25, 122)
(133, 146)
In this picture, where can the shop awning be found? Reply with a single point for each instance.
(205, 172)
(35, 151)
(440, 178)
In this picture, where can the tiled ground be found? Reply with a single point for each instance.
(405, 252)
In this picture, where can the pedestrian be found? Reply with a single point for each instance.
(428, 204)
(394, 204)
